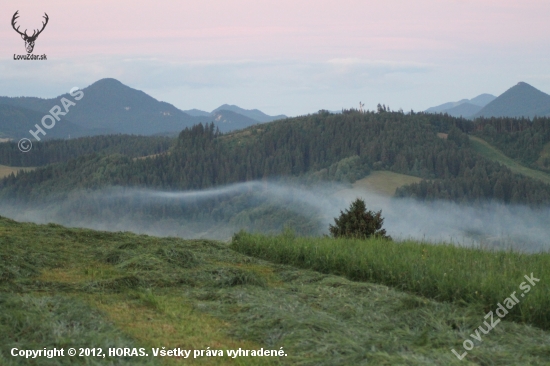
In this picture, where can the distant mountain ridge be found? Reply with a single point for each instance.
(252, 114)
(229, 121)
(464, 107)
(463, 110)
(110, 107)
(521, 100)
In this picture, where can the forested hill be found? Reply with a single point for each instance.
(57, 151)
(522, 139)
(320, 146)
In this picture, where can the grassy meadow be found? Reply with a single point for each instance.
(62, 287)
(448, 273)
(492, 153)
(544, 155)
(384, 182)
(7, 170)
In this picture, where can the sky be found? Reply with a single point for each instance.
(288, 57)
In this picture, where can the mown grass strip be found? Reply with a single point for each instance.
(442, 272)
(168, 320)
(488, 151)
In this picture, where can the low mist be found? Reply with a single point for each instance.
(269, 207)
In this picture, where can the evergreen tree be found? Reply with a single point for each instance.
(357, 222)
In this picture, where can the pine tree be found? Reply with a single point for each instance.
(357, 222)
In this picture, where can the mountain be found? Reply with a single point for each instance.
(108, 107)
(112, 106)
(463, 110)
(454, 108)
(15, 123)
(250, 113)
(445, 106)
(228, 120)
(521, 100)
(197, 113)
(482, 100)
(231, 117)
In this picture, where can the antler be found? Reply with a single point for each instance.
(15, 16)
(34, 34)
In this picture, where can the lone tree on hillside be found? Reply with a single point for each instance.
(357, 222)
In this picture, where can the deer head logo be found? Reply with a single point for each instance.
(29, 40)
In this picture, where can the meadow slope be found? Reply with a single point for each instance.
(63, 287)
(492, 153)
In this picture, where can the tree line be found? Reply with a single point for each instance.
(55, 151)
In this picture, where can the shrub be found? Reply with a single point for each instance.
(357, 222)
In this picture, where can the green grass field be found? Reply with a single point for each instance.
(442, 272)
(63, 287)
(490, 152)
(544, 157)
(385, 182)
(379, 181)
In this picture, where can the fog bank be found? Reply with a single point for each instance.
(268, 207)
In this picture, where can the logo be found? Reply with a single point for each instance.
(29, 40)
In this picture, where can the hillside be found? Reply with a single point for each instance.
(7, 170)
(322, 146)
(521, 100)
(16, 122)
(56, 151)
(526, 141)
(490, 152)
(74, 288)
(381, 182)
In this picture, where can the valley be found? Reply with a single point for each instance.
(210, 237)
(225, 183)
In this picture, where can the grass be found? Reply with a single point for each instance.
(383, 182)
(441, 272)
(64, 287)
(544, 156)
(490, 152)
(7, 170)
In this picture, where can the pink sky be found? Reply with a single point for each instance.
(214, 29)
(463, 36)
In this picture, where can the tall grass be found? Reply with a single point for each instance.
(441, 272)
